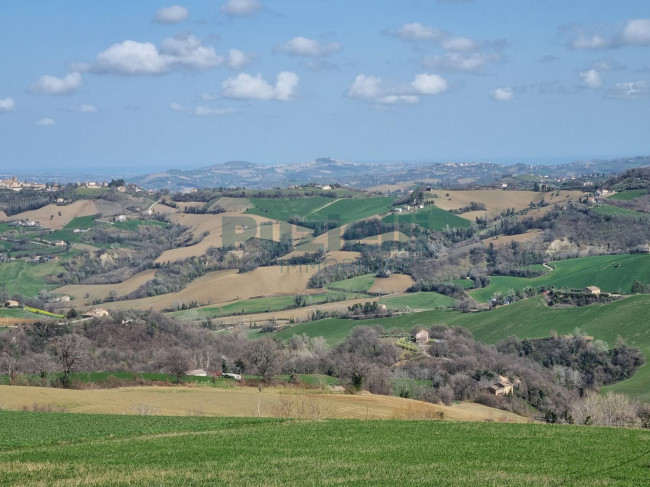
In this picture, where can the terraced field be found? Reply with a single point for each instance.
(98, 450)
(612, 273)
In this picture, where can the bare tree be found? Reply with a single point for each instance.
(71, 352)
(10, 365)
(265, 355)
(177, 362)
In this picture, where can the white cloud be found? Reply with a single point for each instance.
(474, 62)
(429, 84)
(247, 87)
(200, 111)
(503, 93)
(144, 58)
(171, 15)
(372, 89)
(238, 59)
(208, 96)
(591, 78)
(240, 8)
(636, 31)
(45, 122)
(6, 104)
(415, 31)
(301, 46)
(589, 42)
(51, 85)
(632, 91)
(460, 44)
(86, 109)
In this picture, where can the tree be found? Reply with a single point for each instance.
(72, 313)
(177, 362)
(265, 355)
(10, 365)
(71, 352)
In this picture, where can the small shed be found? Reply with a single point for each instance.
(422, 337)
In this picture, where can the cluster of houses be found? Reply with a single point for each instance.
(16, 185)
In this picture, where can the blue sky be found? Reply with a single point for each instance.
(143, 86)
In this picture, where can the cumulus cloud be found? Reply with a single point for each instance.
(415, 31)
(634, 32)
(468, 62)
(591, 78)
(301, 46)
(86, 108)
(6, 104)
(144, 58)
(238, 59)
(45, 122)
(247, 87)
(51, 85)
(504, 93)
(200, 111)
(373, 89)
(171, 15)
(631, 91)
(240, 8)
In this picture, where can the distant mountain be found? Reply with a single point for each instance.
(327, 170)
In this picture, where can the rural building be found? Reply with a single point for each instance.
(59, 243)
(422, 337)
(120, 218)
(232, 376)
(383, 308)
(595, 290)
(502, 388)
(95, 313)
(196, 373)
(12, 303)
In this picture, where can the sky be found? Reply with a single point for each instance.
(152, 85)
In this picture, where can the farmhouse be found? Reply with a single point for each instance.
(502, 388)
(95, 313)
(595, 290)
(59, 243)
(120, 218)
(12, 303)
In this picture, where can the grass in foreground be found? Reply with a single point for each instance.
(49, 448)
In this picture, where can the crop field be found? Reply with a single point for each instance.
(612, 273)
(27, 278)
(18, 314)
(395, 283)
(506, 240)
(359, 284)
(496, 200)
(628, 195)
(132, 225)
(350, 210)
(60, 215)
(54, 448)
(431, 217)
(616, 211)
(102, 291)
(262, 305)
(418, 301)
(285, 208)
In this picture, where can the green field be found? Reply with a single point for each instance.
(79, 449)
(27, 278)
(18, 314)
(420, 300)
(132, 225)
(628, 195)
(261, 305)
(358, 284)
(616, 211)
(431, 217)
(465, 283)
(612, 273)
(319, 208)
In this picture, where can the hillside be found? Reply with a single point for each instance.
(122, 450)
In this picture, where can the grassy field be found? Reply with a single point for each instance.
(27, 278)
(261, 305)
(431, 217)
(628, 195)
(132, 225)
(60, 449)
(421, 300)
(319, 208)
(18, 314)
(616, 211)
(612, 273)
(358, 284)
